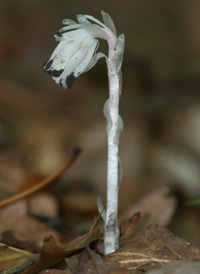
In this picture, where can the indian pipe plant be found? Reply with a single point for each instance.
(76, 54)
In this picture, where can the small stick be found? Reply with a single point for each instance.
(71, 158)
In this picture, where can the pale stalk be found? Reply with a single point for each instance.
(114, 128)
(76, 54)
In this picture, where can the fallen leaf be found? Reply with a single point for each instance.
(9, 238)
(27, 229)
(129, 226)
(18, 208)
(10, 256)
(177, 267)
(158, 206)
(44, 204)
(72, 262)
(52, 253)
(154, 247)
(83, 241)
(56, 271)
(78, 205)
(91, 262)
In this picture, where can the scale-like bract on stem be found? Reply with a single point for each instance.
(76, 54)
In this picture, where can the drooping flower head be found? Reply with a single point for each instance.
(76, 52)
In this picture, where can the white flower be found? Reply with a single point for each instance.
(76, 52)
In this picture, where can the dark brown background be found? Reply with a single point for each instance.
(160, 144)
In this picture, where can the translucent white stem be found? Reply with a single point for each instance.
(114, 128)
(111, 233)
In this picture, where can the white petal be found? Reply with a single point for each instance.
(96, 31)
(68, 22)
(81, 58)
(71, 27)
(71, 57)
(102, 32)
(121, 41)
(67, 47)
(94, 60)
(108, 22)
(81, 19)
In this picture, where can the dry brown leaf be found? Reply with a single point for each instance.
(178, 267)
(83, 241)
(52, 253)
(27, 229)
(157, 205)
(9, 238)
(91, 262)
(72, 262)
(18, 208)
(129, 226)
(56, 271)
(154, 247)
(45, 204)
(10, 256)
(78, 205)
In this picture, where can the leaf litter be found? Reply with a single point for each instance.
(154, 249)
(10, 256)
(156, 246)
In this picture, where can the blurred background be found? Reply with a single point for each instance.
(160, 145)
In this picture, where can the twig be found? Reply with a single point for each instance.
(71, 158)
(20, 267)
